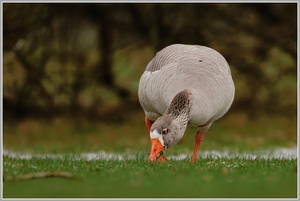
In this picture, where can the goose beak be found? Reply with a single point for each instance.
(157, 150)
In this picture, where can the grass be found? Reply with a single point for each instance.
(207, 178)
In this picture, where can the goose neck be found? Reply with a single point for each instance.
(180, 107)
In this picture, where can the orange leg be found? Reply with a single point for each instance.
(148, 124)
(198, 140)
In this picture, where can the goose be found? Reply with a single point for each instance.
(183, 85)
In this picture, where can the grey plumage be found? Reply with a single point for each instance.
(197, 76)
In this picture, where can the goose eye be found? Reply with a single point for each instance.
(164, 131)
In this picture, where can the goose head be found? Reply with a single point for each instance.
(168, 129)
(164, 133)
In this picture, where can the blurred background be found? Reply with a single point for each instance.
(71, 71)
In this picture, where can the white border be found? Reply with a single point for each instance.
(132, 1)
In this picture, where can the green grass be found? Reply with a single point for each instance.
(207, 178)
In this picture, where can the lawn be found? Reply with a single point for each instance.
(209, 177)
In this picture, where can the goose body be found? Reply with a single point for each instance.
(184, 85)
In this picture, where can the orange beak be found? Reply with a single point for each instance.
(156, 149)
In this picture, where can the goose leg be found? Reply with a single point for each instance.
(198, 140)
(149, 123)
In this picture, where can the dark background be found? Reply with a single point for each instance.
(85, 60)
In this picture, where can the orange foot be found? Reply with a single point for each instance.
(162, 158)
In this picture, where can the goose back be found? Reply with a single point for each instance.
(198, 69)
